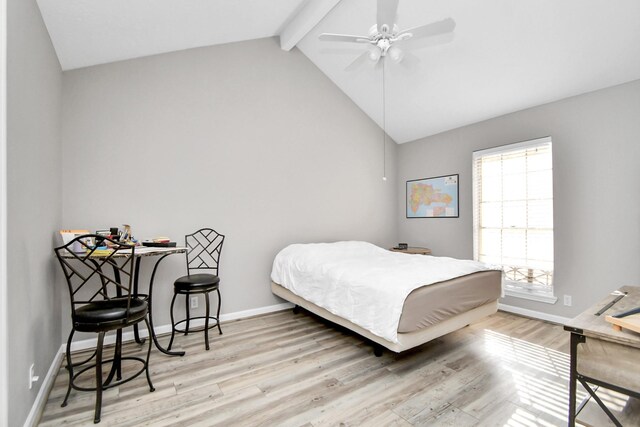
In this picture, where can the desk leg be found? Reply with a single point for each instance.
(575, 339)
(152, 333)
(599, 402)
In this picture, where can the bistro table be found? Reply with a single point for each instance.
(139, 253)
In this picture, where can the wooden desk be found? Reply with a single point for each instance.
(413, 250)
(602, 356)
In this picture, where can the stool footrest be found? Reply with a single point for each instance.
(111, 384)
(197, 328)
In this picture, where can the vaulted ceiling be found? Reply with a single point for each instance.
(505, 56)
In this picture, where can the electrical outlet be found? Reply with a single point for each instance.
(567, 300)
(193, 301)
(32, 375)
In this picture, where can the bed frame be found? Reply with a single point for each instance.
(405, 340)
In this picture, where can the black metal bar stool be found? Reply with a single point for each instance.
(203, 253)
(101, 300)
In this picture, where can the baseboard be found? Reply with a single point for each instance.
(534, 314)
(47, 384)
(164, 329)
(255, 312)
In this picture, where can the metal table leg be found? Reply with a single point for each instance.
(136, 275)
(575, 339)
(151, 331)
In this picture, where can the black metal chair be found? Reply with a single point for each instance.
(203, 253)
(100, 289)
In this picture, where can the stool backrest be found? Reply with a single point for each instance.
(203, 250)
(94, 274)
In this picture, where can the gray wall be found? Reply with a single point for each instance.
(246, 138)
(34, 83)
(596, 158)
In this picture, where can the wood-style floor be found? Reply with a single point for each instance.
(296, 370)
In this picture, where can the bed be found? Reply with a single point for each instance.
(398, 301)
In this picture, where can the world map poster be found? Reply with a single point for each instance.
(433, 197)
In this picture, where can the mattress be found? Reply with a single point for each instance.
(368, 285)
(429, 305)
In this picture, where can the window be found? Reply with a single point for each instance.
(513, 215)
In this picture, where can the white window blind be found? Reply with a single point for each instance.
(513, 213)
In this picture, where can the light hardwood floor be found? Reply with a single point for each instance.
(296, 370)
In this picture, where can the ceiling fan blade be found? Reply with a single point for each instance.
(419, 44)
(387, 10)
(343, 38)
(357, 63)
(409, 60)
(432, 29)
(355, 50)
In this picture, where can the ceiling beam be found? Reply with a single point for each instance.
(304, 21)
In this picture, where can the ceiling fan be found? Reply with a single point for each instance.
(385, 38)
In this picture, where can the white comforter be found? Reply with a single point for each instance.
(361, 282)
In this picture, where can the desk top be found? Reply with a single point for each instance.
(140, 251)
(590, 324)
(148, 251)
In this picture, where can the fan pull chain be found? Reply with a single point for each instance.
(384, 125)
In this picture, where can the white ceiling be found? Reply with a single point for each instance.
(90, 32)
(506, 55)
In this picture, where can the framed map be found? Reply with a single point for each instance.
(433, 197)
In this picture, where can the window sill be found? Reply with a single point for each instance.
(531, 295)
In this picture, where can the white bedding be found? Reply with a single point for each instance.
(361, 282)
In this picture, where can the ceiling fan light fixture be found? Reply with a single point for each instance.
(396, 54)
(374, 54)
